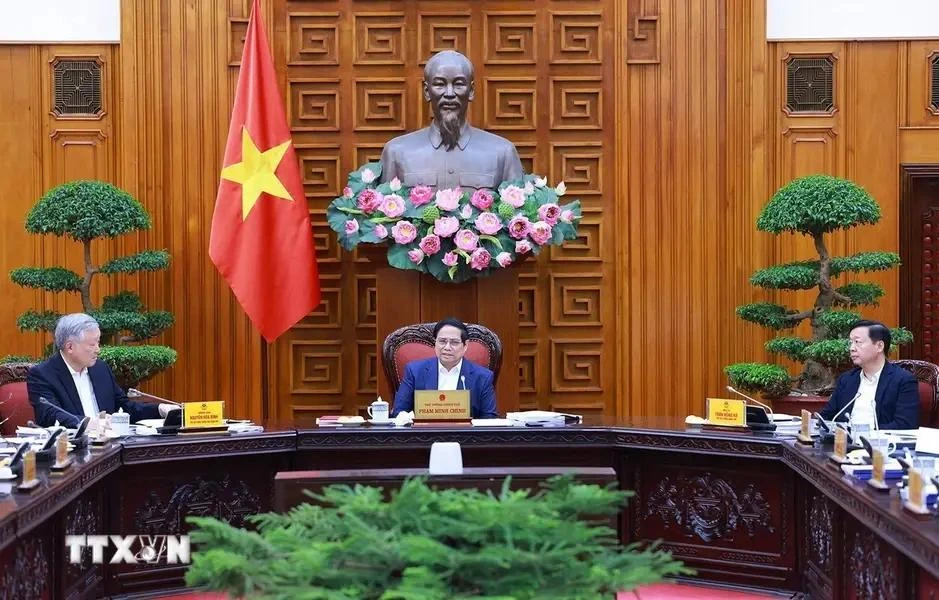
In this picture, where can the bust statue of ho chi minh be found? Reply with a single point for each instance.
(450, 153)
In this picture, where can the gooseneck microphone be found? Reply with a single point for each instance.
(135, 393)
(846, 406)
(753, 400)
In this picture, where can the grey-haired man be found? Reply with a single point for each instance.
(72, 383)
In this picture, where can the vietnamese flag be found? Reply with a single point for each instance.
(262, 240)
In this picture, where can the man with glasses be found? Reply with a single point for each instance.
(448, 371)
(876, 391)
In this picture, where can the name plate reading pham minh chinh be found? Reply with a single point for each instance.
(198, 415)
(442, 405)
(724, 412)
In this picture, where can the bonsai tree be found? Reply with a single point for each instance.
(814, 206)
(359, 544)
(86, 211)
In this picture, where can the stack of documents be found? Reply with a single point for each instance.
(542, 418)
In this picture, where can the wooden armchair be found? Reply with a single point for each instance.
(15, 408)
(928, 376)
(416, 342)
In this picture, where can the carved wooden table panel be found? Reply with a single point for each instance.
(731, 520)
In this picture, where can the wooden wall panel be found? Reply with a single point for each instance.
(665, 117)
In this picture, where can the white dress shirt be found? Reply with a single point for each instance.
(86, 392)
(865, 409)
(448, 380)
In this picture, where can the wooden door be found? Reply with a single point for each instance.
(544, 79)
(919, 251)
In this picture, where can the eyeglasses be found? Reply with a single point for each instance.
(444, 342)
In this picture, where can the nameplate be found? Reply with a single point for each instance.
(203, 414)
(727, 413)
(441, 405)
(841, 444)
(916, 499)
(878, 473)
(805, 430)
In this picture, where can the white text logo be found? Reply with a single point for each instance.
(130, 549)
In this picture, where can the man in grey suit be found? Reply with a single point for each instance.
(450, 153)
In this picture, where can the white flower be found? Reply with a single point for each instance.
(540, 182)
(368, 176)
(466, 212)
(395, 184)
(529, 188)
(561, 189)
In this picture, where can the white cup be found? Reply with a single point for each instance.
(6, 473)
(120, 423)
(879, 441)
(446, 458)
(378, 410)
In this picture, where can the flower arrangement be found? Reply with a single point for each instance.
(452, 234)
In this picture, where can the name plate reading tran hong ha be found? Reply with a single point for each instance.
(441, 405)
(724, 412)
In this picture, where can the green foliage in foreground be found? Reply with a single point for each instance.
(427, 544)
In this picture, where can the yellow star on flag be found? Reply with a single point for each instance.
(256, 172)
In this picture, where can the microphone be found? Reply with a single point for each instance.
(135, 393)
(846, 406)
(757, 402)
(45, 402)
(463, 379)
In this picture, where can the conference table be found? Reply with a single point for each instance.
(741, 508)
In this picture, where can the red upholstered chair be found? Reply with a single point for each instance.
(928, 376)
(415, 342)
(15, 408)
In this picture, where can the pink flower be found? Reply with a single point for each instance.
(482, 199)
(347, 192)
(395, 185)
(381, 232)
(368, 176)
(352, 226)
(504, 259)
(450, 259)
(488, 223)
(540, 233)
(416, 256)
(480, 258)
(529, 188)
(421, 195)
(522, 247)
(567, 216)
(446, 226)
(466, 240)
(369, 200)
(449, 199)
(404, 232)
(549, 213)
(393, 205)
(513, 196)
(430, 244)
(519, 226)
(466, 212)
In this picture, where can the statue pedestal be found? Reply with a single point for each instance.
(410, 297)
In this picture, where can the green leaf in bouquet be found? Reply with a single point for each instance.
(436, 267)
(452, 271)
(398, 258)
(494, 240)
(557, 235)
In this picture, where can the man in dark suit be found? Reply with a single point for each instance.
(448, 371)
(72, 383)
(884, 395)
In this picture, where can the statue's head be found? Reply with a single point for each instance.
(448, 86)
